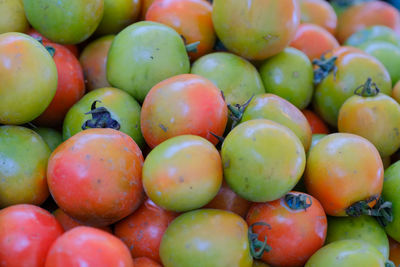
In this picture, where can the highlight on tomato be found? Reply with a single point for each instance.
(373, 33)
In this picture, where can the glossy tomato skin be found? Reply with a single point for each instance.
(268, 25)
(277, 109)
(343, 169)
(12, 17)
(373, 33)
(52, 137)
(221, 233)
(104, 168)
(143, 230)
(318, 12)
(26, 234)
(144, 54)
(64, 21)
(294, 234)
(23, 61)
(316, 123)
(390, 193)
(184, 104)
(23, 155)
(88, 246)
(252, 150)
(145, 262)
(94, 62)
(67, 222)
(394, 254)
(70, 87)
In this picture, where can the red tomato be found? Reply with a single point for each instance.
(142, 231)
(145, 262)
(95, 176)
(319, 12)
(26, 234)
(183, 104)
(317, 124)
(87, 246)
(394, 254)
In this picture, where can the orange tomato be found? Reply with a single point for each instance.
(319, 12)
(394, 254)
(317, 124)
(396, 92)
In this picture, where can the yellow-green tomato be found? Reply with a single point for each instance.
(391, 193)
(206, 238)
(12, 16)
(52, 137)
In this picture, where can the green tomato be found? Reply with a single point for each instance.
(289, 75)
(143, 55)
(65, 21)
(315, 139)
(52, 137)
(12, 16)
(122, 107)
(363, 228)
(206, 238)
(373, 33)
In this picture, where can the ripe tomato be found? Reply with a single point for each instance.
(104, 168)
(145, 262)
(367, 14)
(12, 16)
(394, 254)
(183, 104)
(296, 228)
(222, 234)
(313, 40)
(390, 193)
(94, 62)
(87, 246)
(142, 231)
(318, 12)
(316, 123)
(341, 170)
(23, 162)
(52, 137)
(64, 21)
(143, 55)
(289, 75)
(373, 33)
(277, 109)
(26, 234)
(256, 29)
(24, 61)
(262, 160)
(190, 18)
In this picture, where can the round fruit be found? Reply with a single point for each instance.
(394, 254)
(390, 193)
(52, 137)
(316, 123)
(396, 92)
(315, 140)
(12, 16)
(318, 12)
(373, 33)
(67, 222)
(145, 262)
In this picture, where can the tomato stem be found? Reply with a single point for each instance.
(324, 68)
(257, 247)
(236, 111)
(192, 47)
(298, 201)
(389, 263)
(101, 118)
(368, 89)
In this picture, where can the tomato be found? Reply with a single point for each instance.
(260, 264)
(118, 14)
(24, 61)
(26, 234)
(296, 228)
(367, 14)
(320, 13)
(70, 87)
(233, 75)
(373, 33)
(394, 254)
(262, 160)
(12, 16)
(104, 168)
(256, 29)
(316, 123)
(145, 6)
(87, 246)
(145, 262)
(94, 62)
(347, 253)
(142, 231)
(363, 228)
(227, 199)
(52, 137)
(315, 140)
(67, 222)
(122, 107)
(341, 170)
(277, 109)
(184, 104)
(23, 162)
(396, 92)
(222, 234)
(143, 55)
(64, 21)
(387, 161)
(289, 75)
(353, 67)
(372, 110)
(313, 40)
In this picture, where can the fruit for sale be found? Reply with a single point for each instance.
(373, 33)
(394, 254)
(145, 262)
(318, 12)
(52, 137)
(316, 123)
(315, 140)
(12, 16)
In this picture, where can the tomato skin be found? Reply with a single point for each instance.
(268, 25)
(294, 235)
(145, 6)
(23, 60)
(252, 149)
(26, 234)
(103, 167)
(64, 21)
(145, 262)
(52, 137)
(12, 17)
(190, 18)
(316, 123)
(343, 169)
(195, 106)
(88, 246)
(390, 193)
(94, 62)
(396, 92)
(221, 233)
(143, 230)
(373, 33)
(320, 13)
(67, 222)
(394, 254)
(260, 264)
(23, 170)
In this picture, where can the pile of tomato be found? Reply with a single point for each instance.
(184, 133)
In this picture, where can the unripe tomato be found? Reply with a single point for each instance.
(52, 137)
(373, 33)
(390, 193)
(318, 12)
(396, 92)
(316, 123)
(12, 16)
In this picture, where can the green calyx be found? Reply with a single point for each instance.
(236, 111)
(324, 68)
(368, 89)
(257, 247)
(101, 118)
(298, 201)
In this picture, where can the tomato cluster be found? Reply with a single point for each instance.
(180, 133)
